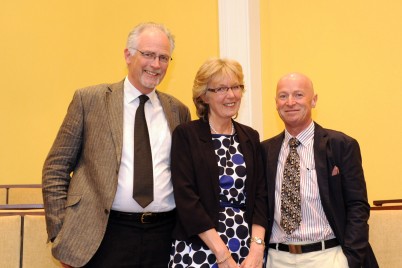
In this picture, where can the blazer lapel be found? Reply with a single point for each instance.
(114, 107)
(170, 110)
(208, 154)
(321, 163)
(271, 167)
(247, 150)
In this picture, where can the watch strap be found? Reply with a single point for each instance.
(257, 240)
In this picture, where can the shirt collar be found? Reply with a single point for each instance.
(131, 93)
(304, 137)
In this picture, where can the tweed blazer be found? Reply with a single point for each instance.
(343, 194)
(80, 173)
(195, 177)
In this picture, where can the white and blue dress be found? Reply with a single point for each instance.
(232, 228)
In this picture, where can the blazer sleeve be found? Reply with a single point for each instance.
(193, 215)
(354, 194)
(185, 115)
(260, 216)
(59, 164)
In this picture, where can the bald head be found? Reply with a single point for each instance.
(298, 79)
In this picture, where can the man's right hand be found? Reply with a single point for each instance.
(65, 265)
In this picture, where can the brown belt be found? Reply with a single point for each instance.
(144, 218)
(299, 249)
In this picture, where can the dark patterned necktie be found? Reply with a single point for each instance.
(143, 172)
(290, 194)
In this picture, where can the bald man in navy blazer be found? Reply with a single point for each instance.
(333, 231)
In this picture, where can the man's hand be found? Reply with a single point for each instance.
(65, 265)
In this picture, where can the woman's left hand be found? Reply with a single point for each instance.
(255, 257)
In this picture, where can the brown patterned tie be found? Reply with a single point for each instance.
(290, 194)
(143, 172)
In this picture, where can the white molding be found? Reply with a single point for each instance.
(239, 39)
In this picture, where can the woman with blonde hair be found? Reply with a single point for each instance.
(217, 177)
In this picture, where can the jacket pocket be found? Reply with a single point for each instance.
(73, 199)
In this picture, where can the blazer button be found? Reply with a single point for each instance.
(106, 211)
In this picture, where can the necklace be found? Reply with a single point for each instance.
(216, 132)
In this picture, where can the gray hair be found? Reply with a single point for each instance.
(132, 40)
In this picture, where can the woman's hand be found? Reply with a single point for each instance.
(227, 263)
(214, 242)
(255, 257)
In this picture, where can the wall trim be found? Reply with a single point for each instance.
(239, 39)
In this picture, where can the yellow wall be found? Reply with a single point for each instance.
(352, 52)
(50, 48)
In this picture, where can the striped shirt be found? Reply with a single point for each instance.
(314, 225)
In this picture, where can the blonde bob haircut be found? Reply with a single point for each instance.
(212, 69)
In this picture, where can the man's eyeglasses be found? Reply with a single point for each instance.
(224, 90)
(152, 56)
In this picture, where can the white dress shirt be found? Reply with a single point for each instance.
(160, 139)
(314, 225)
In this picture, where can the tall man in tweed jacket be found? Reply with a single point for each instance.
(91, 216)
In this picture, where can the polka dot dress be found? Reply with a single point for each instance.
(232, 227)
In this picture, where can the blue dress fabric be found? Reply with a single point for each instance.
(232, 228)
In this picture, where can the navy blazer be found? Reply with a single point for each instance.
(195, 178)
(343, 196)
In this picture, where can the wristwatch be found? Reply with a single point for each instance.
(257, 240)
